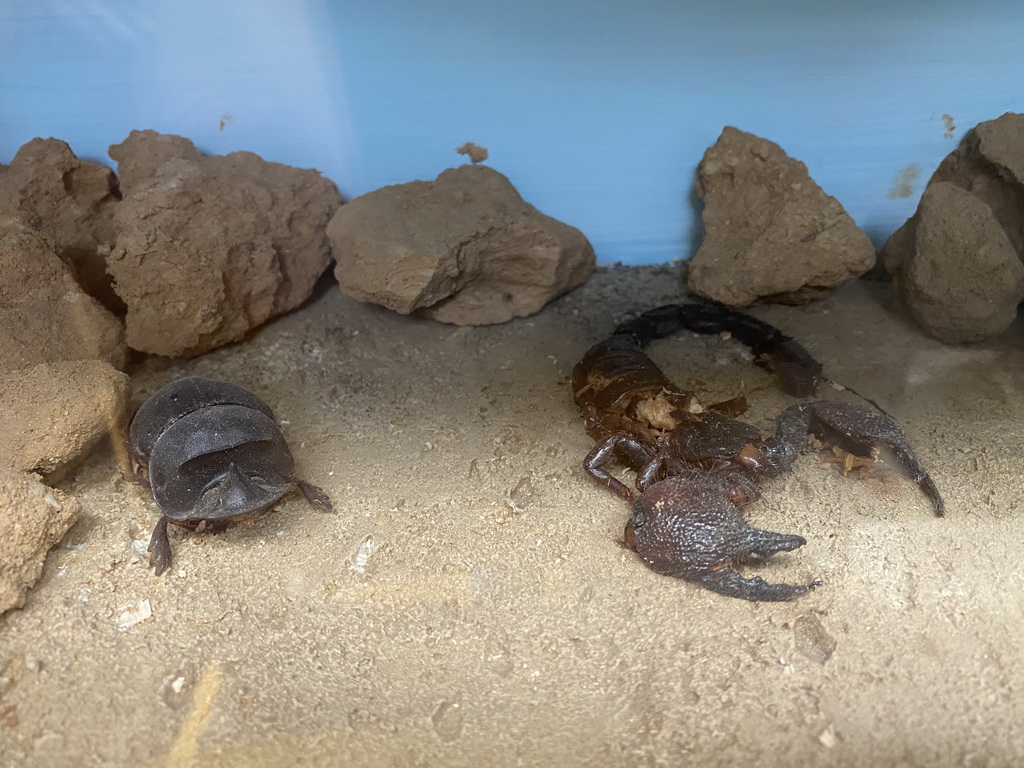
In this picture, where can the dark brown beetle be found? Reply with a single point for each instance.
(213, 453)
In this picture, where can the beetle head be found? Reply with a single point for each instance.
(236, 493)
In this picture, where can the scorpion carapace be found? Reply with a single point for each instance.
(695, 467)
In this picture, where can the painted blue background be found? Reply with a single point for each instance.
(597, 111)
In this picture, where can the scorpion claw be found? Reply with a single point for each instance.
(685, 527)
(726, 581)
(767, 543)
(316, 496)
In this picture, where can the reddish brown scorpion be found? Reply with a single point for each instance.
(696, 467)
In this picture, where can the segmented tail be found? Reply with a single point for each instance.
(798, 372)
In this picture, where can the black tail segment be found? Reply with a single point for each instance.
(799, 374)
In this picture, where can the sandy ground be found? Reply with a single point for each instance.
(470, 601)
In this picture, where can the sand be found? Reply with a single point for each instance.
(470, 601)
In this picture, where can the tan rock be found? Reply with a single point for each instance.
(955, 267)
(51, 414)
(44, 315)
(140, 156)
(770, 232)
(463, 249)
(208, 248)
(71, 201)
(989, 164)
(965, 287)
(32, 519)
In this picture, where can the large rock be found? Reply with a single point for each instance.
(957, 260)
(989, 164)
(770, 232)
(208, 248)
(955, 267)
(51, 414)
(44, 315)
(463, 249)
(71, 201)
(60, 391)
(32, 519)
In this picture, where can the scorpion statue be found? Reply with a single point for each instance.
(695, 467)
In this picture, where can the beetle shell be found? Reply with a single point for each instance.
(181, 398)
(213, 450)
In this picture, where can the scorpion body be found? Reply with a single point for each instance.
(695, 467)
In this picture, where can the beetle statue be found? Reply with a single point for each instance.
(213, 454)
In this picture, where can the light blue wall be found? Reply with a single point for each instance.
(597, 110)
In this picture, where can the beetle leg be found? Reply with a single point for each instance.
(315, 495)
(141, 477)
(160, 547)
(726, 581)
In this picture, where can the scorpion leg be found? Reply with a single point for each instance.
(605, 450)
(663, 464)
(854, 428)
(687, 527)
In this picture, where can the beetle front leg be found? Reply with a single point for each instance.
(315, 495)
(160, 547)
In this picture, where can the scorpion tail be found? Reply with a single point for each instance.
(798, 372)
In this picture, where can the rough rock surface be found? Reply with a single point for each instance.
(44, 315)
(770, 232)
(59, 346)
(71, 201)
(32, 519)
(989, 164)
(51, 414)
(463, 249)
(140, 156)
(208, 248)
(976, 291)
(955, 267)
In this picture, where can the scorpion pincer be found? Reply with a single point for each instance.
(695, 468)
